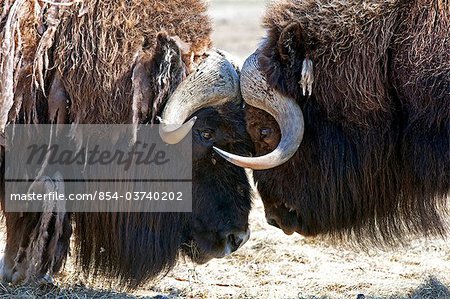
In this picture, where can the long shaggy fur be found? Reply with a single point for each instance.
(374, 161)
(84, 46)
(17, 19)
(140, 249)
(75, 39)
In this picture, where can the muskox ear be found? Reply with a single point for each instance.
(167, 69)
(291, 44)
(284, 59)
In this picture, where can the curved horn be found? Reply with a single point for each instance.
(214, 82)
(285, 110)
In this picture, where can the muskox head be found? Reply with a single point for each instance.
(208, 101)
(320, 180)
(314, 168)
(275, 123)
(366, 167)
(207, 104)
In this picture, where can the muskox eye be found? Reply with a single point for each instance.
(265, 132)
(206, 135)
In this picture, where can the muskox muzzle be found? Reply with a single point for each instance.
(211, 245)
(285, 110)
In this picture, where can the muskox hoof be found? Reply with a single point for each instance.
(3, 273)
(12, 271)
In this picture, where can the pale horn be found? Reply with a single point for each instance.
(285, 110)
(213, 83)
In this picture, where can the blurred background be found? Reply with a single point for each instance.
(237, 25)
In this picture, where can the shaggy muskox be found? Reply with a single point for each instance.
(113, 62)
(359, 142)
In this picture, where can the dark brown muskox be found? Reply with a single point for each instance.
(125, 62)
(369, 83)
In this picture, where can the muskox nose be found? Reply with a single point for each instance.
(235, 240)
(272, 221)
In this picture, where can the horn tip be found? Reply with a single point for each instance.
(222, 153)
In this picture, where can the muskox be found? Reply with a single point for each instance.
(113, 62)
(356, 141)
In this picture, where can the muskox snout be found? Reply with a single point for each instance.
(206, 246)
(234, 240)
(283, 218)
(272, 221)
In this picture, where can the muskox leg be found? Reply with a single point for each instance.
(60, 229)
(19, 227)
(37, 243)
(63, 243)
(57, 244)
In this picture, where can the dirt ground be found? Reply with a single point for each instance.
(271, 264)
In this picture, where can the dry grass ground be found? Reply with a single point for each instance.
(271, 264)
